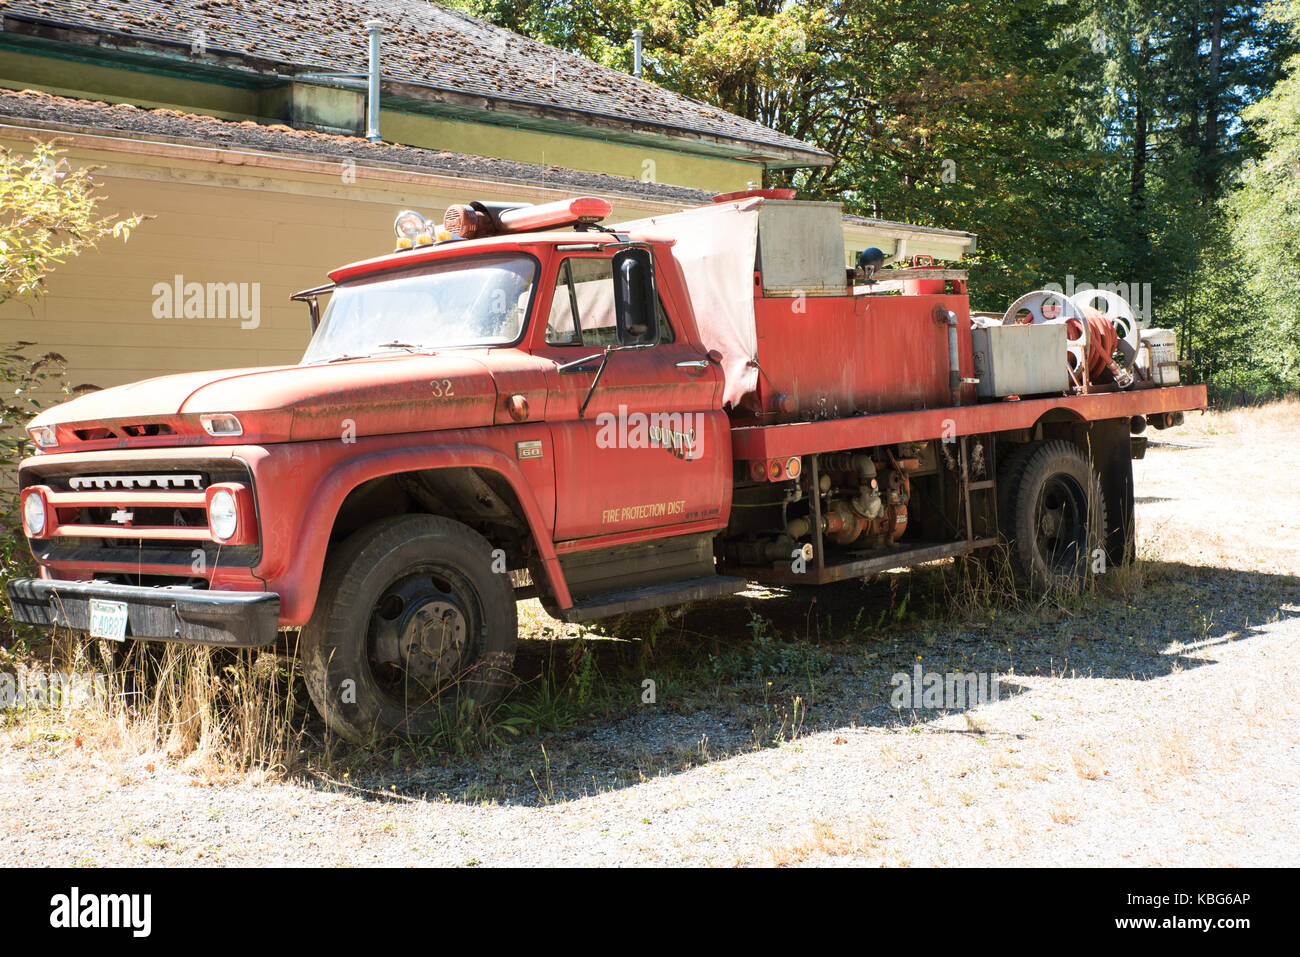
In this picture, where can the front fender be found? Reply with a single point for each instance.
(302, 486)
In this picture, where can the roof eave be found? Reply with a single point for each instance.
(92, 136)
(432, 97)
(261, 71)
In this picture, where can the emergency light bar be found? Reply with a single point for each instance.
(476, 220)
(413, 230)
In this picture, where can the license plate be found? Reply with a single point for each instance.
(107, 619)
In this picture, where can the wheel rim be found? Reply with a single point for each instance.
(423, 634)
(1061, 524)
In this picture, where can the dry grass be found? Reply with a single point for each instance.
(1269, 419)
(828, 841)
(1061, 813)
(535, 623)
(1172, 752)
(1254, 447)
(215, 715)
(1088, 766)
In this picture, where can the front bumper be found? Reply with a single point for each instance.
(189, 615)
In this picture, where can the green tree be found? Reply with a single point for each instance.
(47, 215)
(1165, 109)
(1265, 235)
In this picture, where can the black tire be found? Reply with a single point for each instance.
(411, 621)
(992, 560)
(1055, 517)
(1010, 469)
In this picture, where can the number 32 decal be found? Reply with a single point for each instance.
(442, 389)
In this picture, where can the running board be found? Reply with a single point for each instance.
(612, 603)
(884, 559)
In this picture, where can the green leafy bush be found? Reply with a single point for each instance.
(25, 379)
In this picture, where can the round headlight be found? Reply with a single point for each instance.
(34, 515)
(223, 515)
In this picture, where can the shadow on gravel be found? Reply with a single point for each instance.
(769, 666)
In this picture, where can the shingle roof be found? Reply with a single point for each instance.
(56, 114)
(428, 47)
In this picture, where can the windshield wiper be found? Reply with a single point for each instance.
(378, 349)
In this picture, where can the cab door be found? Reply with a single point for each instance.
(652, 447)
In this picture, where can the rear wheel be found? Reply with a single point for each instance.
(411, 620)
(1055, 516)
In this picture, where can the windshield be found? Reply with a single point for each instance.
(470, 301)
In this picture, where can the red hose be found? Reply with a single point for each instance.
(1102, 340)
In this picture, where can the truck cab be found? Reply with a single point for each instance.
(512, 399)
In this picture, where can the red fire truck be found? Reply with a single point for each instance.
(526, 402)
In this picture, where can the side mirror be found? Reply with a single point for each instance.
(313, 305)
(636, 304)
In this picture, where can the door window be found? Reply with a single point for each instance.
(582, 309)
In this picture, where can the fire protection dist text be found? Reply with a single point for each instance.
(632, 513)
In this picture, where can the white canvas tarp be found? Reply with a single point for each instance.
(716, 247)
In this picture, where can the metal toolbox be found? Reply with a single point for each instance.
(1020, 359)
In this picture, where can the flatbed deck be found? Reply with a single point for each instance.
(886, 428)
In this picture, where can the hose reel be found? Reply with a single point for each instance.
(1092, 337)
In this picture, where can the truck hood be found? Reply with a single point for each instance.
(373, 396)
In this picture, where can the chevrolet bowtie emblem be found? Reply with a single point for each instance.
(121, 516)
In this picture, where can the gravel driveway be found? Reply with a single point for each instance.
(1162, 728)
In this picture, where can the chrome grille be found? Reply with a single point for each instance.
(178, 482)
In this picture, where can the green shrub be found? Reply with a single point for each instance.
(24, 380)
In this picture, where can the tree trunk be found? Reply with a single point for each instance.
(1210, 141)
(1137, 190)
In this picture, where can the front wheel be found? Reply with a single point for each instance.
(411, 619)
(1055, 516)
